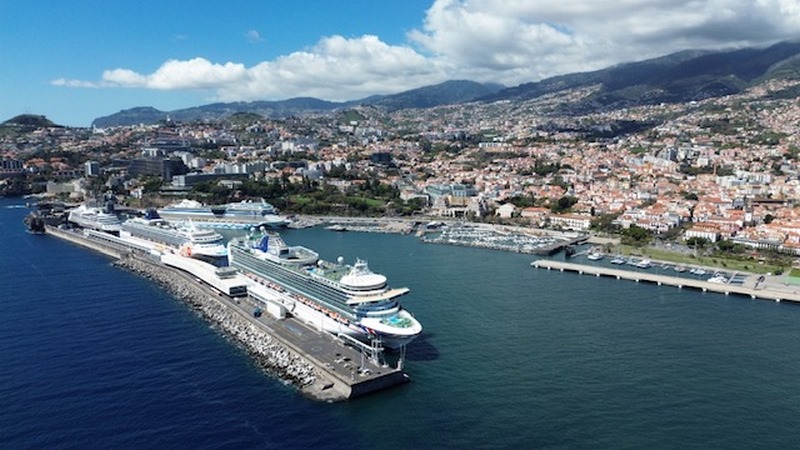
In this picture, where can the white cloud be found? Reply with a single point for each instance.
(253, 36)
(196, 73)
(514, 41)
(335, 69)
(74, 83)
(507, 41)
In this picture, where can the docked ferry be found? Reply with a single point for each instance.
(335, 297)
(188, 239)
(240, 215)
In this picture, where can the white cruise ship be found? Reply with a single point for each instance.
(189, 240)
(337, 298)
(94, 218)
(241, 215)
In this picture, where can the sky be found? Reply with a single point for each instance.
(76, 60)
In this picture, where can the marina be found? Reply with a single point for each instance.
(506, 240)
(755, 288)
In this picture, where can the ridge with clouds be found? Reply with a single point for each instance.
(679, 77)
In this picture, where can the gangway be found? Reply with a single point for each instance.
(374, 350)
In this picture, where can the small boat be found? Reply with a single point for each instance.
(594, 256)
(679, 269)
(618, 260)
(718, 279)
(644, 264)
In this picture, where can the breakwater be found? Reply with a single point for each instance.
(268, 354)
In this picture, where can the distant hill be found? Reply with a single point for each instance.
(449, 92)
(25, 123)
(140, 115)
(679, 77)
(441, 94)
(29, 121)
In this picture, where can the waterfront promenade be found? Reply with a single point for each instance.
(767, 290)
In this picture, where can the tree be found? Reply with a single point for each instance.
(563, 204)
(697, 242)
(635, 235)
(689, 195)
(151, 184)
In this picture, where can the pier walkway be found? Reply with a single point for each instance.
(765, 291)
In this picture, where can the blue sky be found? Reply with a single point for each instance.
(74, 61)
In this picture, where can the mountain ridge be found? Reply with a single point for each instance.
(687, 75)
(448, 92)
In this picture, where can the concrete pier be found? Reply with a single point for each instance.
(321, 366)
(764, 292)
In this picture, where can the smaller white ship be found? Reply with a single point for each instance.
(644, 264)
(241, 216)
(188, 239)
(94, 219)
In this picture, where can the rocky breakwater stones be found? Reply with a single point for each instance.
(268, 354)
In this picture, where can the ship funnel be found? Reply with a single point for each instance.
(263, 244)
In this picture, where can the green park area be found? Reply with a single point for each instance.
(735, 263)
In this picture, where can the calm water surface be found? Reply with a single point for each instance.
(94, 357)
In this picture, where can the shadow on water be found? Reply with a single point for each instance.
(422, 349)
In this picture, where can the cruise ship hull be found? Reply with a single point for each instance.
(372, 317)
(243, 215)
(323, 320)
(95, 220)
(189, 241)
(225, 221)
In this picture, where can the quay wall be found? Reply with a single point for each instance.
(79, 239)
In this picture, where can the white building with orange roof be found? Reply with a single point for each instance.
(703, 230)
(578, 222)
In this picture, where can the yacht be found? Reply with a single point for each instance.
(337, 298)
(720, 279)
(619, 259)
(594, 256)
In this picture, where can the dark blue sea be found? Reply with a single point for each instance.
(93, 357)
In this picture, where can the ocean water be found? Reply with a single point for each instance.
(511, 357)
